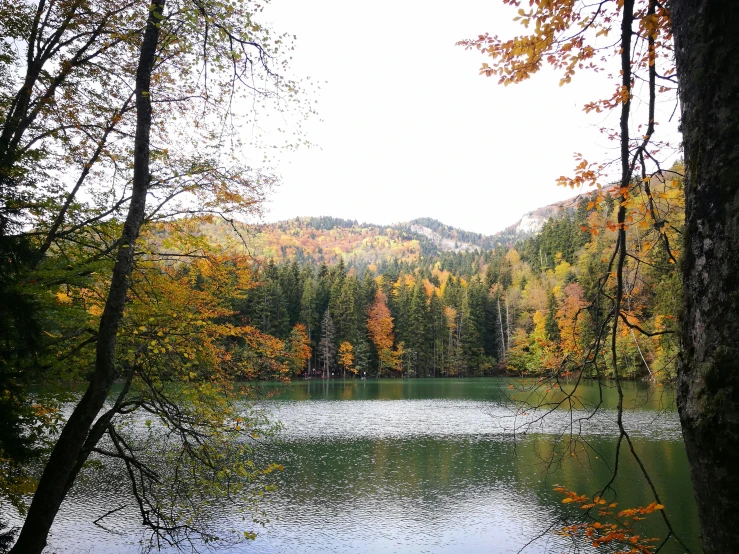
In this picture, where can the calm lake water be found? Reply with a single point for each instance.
(425, 466)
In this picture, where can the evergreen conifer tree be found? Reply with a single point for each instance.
(327, 346)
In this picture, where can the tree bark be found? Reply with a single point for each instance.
(59, 471)
(707, 41)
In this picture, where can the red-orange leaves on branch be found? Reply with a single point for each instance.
(620, 96)
(557, 28)
(380, 329)
(571, 36)
(605, 527)
(566, 34)
(585, 174)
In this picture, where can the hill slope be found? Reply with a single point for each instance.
(328, 239)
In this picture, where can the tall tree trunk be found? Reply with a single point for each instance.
(59, 470)
(707, 41)
(507, 324)
(501, 344)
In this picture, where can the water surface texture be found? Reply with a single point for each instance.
(425, 466)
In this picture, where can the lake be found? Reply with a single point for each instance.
(426, 466)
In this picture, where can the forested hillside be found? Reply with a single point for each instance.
(392, 301)
(326, 239)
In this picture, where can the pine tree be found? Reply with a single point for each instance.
(473, 313)
(345, 311)
(308, 313)
(327, 346)
(362, 358)
(368, 290)
(292, 291)
(550, 326)
(400, 303)
(323, 289)
(269, 307)
(418, 340)
(438, 334)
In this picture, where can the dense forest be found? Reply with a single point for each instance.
(414, 310)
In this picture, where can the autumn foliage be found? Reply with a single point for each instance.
(346, 357)
(608, 526)
(380, 328)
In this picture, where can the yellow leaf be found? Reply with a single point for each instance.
(63, 298)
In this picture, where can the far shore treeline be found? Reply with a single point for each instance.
(400, 306)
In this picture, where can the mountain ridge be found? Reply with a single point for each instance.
(328, 239)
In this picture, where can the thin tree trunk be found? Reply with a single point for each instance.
(59, 470)
(458, 362)
(707, 41)
(450, 350)
(502, 334)
(507, 323)
(311, 356)
(433, 369)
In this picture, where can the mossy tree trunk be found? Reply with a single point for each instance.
(707, 53)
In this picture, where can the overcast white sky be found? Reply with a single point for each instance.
(410, 129)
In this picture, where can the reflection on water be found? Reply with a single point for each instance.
(418, 466)
(638, 395)
(405, 419)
